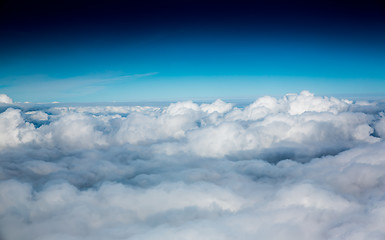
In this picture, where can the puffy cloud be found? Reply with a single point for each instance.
(5, 99)
(380, 126)
(37, 115)
(218, 106)
(297, 167)
(306, 101)
(14, 130)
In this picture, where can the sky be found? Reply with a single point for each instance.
(104, 51)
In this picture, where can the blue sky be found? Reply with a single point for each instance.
(241, 60)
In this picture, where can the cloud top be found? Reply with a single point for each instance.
(296, 167)
(5, 99)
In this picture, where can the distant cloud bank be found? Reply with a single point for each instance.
(297, 167)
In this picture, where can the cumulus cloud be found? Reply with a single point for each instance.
(5, 99)
(297, 167)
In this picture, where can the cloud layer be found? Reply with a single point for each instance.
(298, 167)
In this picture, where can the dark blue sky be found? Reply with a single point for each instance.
(170, 50)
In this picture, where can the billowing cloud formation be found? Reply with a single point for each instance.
(5, 99)
(298, 167)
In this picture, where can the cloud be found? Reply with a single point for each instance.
(296, 167)
(77, 88)
(5, 99)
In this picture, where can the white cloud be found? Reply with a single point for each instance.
(14, 130)
(298, 167)
(217, 106)
(38, 115)
(380, 126)
(5, 99)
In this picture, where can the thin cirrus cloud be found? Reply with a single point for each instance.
(296, 167)
(80, 88)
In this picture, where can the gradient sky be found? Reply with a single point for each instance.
(90, 51)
